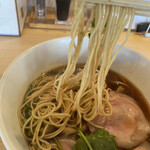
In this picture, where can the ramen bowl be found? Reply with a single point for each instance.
(43, 57)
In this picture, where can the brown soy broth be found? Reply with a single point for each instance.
(129, 90)
(112, 79)
(61, 69)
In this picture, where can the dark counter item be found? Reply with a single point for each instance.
(62, 7)
(142, 27)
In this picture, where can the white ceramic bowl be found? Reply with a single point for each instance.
(30, 64)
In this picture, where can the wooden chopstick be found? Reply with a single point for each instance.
(142, 7)
(141, 12)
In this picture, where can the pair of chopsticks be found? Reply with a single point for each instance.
(142, 7)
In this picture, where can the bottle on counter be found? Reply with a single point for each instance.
(63, 8)
(40, 8)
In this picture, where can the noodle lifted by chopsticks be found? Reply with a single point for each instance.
(61, 101)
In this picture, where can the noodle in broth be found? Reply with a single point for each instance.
(65, 100)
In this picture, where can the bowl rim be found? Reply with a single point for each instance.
(3, 132)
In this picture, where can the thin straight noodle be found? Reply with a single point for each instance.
(127, 36)
(73, 33)
(65, 100)
(101, 84)
(86, 72)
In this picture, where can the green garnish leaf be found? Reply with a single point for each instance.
(28, 111)
(32, 85)
(93, 24)
(53, 72)
(100, 140)
(42, 75)
(80, 145)
(86, 89)
(58, 144)
(85, 139)
(80, 81)
(89, 35)
(28, 133)
(27, 107)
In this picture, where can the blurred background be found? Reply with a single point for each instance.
(46, 14)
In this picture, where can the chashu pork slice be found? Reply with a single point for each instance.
(127, 122)
(66, 143)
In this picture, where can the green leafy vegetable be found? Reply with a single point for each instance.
(100, 140)
(28, 111)
(80, 81)
(85, 139)
(54, 72)
(58, 144)
(89, 35)
(28, 133)
(93, 24)
(32, 85)
(86, 89)
(27, 107)
(42, 75)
